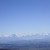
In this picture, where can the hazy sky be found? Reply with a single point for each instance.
(24, 16)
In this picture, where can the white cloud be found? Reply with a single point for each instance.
(6, 35)
(23, 35)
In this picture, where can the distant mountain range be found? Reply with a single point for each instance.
(14, 37)
(36, 41)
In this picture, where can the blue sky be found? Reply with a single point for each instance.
(24, 16)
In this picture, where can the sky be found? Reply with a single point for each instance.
(24, 16)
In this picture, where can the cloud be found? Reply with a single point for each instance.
(23, 35)
(6, 35)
